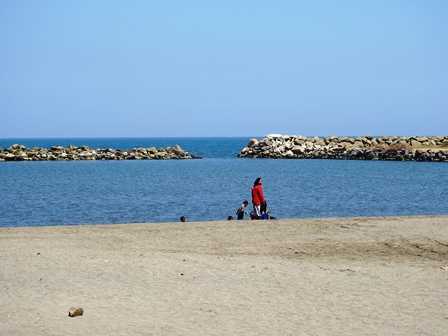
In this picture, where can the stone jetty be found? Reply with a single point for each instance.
(58, 153)
(417, 148)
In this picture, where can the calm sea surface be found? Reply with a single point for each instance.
(73, 192)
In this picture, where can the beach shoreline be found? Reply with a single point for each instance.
(297, 220)
(324, 276)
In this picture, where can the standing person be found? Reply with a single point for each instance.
(257, 197)
(241, 210)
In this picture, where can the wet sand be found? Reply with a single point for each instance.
(355, 276)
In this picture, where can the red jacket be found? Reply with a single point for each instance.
(257, 194)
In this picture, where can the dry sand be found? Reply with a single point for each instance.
(358, 276)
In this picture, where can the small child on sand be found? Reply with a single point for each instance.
(241, 210)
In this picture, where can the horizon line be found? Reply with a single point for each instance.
(213, 137)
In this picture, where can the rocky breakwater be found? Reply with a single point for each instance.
(59, 153)
(434, 148)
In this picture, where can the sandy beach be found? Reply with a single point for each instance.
(355, 276)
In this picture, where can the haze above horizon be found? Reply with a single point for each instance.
(198, 69)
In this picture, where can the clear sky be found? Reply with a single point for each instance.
(223, 68)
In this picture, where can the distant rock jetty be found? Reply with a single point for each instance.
(394, 148)
(58, 153)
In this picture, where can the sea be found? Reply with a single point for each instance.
(212, 188)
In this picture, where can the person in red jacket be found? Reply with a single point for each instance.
(257, 197)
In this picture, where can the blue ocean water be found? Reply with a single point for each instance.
(76, 192)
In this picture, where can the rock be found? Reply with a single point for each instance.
(152, 150)
(289, 154)
(17, 147)
(298, 149)
(245, 150)
(73, 312)
(349, 140)
(252, 142)
(422, 139)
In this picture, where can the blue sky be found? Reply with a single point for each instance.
(233, 68)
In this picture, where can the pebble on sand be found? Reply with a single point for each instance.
(73, 312)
